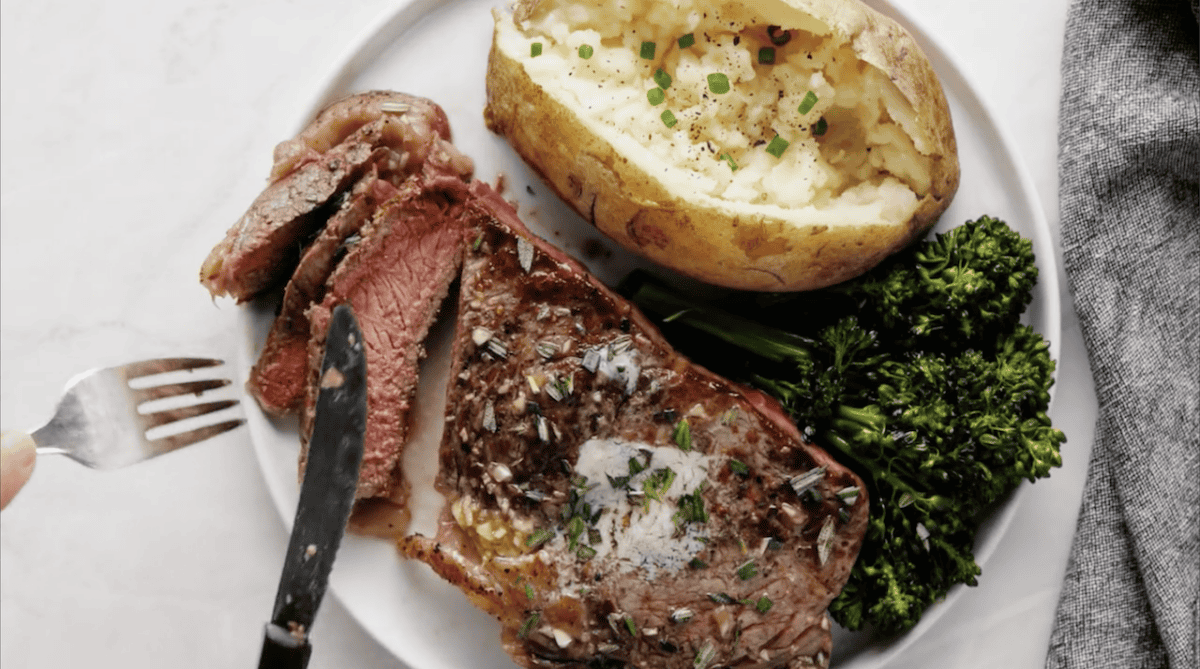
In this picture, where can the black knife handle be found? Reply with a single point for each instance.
(281, 650)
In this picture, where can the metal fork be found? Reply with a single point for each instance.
(98, 423)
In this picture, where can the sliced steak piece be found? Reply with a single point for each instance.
(612, 503)
(280, 375)
(329, 156)
(396, 277)
(339, 120)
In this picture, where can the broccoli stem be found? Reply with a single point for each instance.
(764, 341)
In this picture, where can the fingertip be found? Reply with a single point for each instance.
(18, 457)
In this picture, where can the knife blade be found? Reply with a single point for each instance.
(326, 495)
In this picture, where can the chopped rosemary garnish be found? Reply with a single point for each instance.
(687, 40)
(657, 484)
(820, 127)
(738, 467)
(805, 482)
(535, 49)
(683, 435)
(825, 541)
(618, 482)
(732, 164)
(747, 570)
(766, 55)
(679, 616)
(539, 537)
(849, 495)
(777, 146)
(668, 119)
(809, 101)
(764, 604)
(662, 79)
(585, 51)
(528, 625)
(656, 96)
(648, 50)
(718, 83)
(575, 529)
(691, 509)
(636, 467)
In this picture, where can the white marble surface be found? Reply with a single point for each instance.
(133, 134)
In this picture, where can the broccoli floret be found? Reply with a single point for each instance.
(936, 398)
(955, 290)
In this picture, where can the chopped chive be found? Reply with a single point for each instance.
(655, 96)
(528, 625)
(648, 50)
(718, 83)
(687, 40)
(807, 103)
(629, 625)
(662, 79)
(528, 590)
(777, 146)
(747, 571)
(697, 563)
(478, 243)
(766, 55)
(738, 467)
(585, 51)
(668, 119)
(683, 435)
(764, 604)
(729, 159)
(539, 537)
(820, 127)
(535, 49)
(778, 36)
(586, 552)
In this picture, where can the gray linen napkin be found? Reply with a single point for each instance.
(1129, 167)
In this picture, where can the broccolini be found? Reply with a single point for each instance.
(920, 376)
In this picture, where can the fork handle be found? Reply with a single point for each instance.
(18, 455)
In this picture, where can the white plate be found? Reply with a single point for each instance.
(439, 50)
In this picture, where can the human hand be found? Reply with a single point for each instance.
(18, 455)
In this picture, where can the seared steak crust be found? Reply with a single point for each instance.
(612, 503)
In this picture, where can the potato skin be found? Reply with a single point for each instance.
(767, 249)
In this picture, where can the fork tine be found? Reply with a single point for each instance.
(163, 365)
(171, 415)
(173, 389)
(177, 441)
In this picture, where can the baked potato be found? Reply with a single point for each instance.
(773, 145)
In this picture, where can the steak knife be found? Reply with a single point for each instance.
(326, 494)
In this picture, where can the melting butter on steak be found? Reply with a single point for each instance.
(613, 504)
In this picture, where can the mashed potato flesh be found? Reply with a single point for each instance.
(844, 147)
